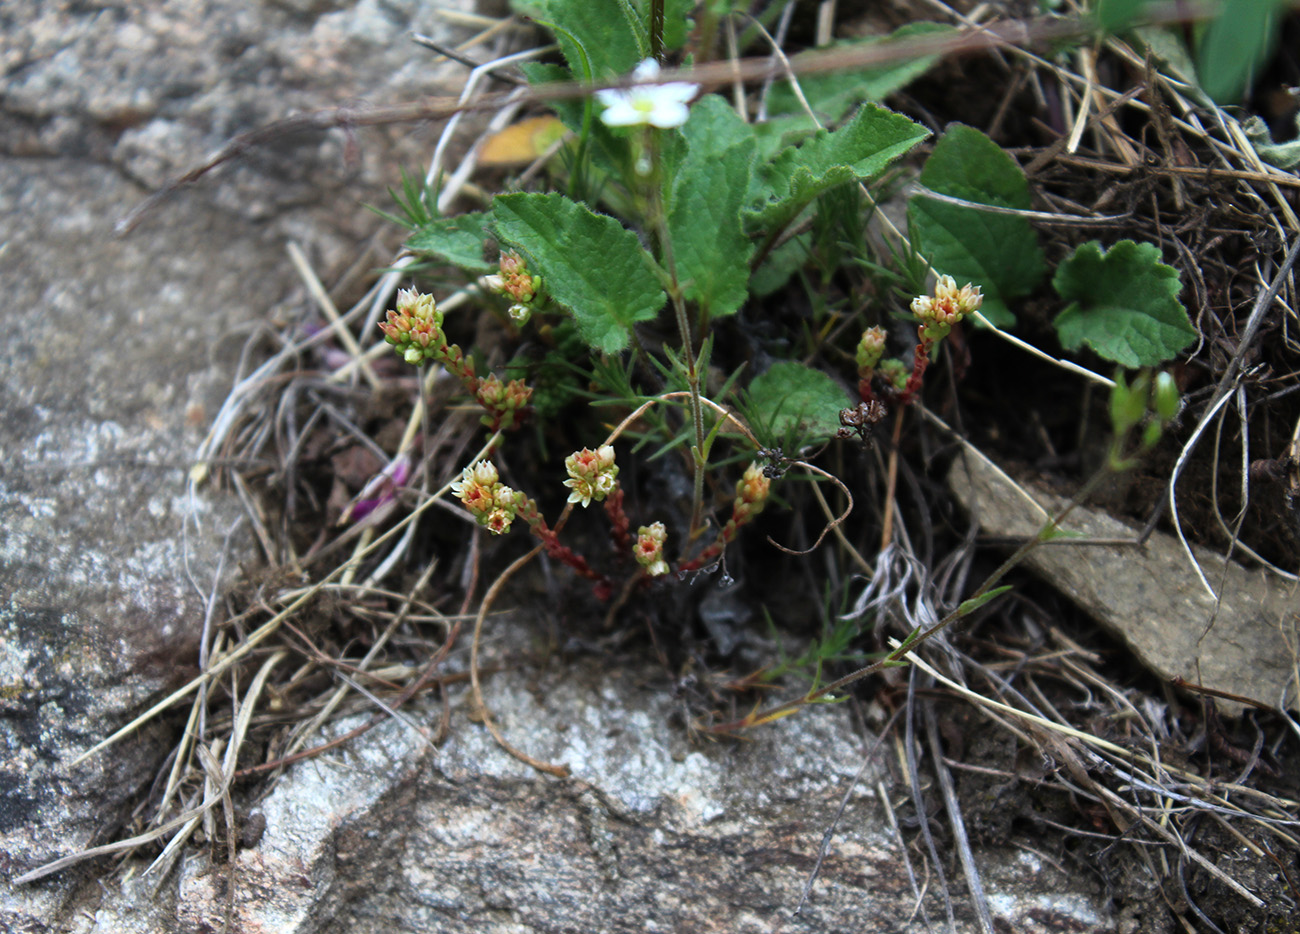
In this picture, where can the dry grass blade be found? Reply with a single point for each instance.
(255, 638)
(326, 305)
(480, 707)
(955, 822)
(1222, 394)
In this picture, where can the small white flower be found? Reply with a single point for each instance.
(485, 474)
(659, 105)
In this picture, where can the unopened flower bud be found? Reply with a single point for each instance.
(870, 349)
(1167, 400)
(895, 373)
(751, 493)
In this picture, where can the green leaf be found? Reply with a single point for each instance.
(457, 241)
(1282, 155)
(974, 603)
(833, 94)
(793, 399)
(588, 262)
(601, 29)
(1166, 46)
(568, 109)
(1234, 47)
(709, 243)
(1050, 533)
(1114, 15)
(861, 149)
(781, 132)
(779, 265)
(677, 21)
(607, 151)
(998, 252)
(1123, 303)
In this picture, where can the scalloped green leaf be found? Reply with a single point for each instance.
(608, 34)
(998, 252)
(861, 149)
(709, 243)
(790, 398)
(590, 264)
(457, 241)
(1123, 303)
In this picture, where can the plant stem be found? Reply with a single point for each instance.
(658, 222)
(656, 29)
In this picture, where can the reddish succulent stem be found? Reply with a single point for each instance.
(551, 541)
(619, 523)
(921, 359)
(708, 555)
(453, 358)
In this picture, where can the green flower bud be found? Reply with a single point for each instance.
(895, 373)
(1167, 399)
(1128, 404)
(870, 349)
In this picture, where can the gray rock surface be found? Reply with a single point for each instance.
(1149, 597)
(650, 832)
(117, 352)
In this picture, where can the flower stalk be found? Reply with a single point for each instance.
(414, 328)
(752, 491)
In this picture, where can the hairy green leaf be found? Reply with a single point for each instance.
(457, 241)
(677, 21)
(998, 252)
(709, 243)
(861, 149)
(1283, 155)
(1123, 303)
(589, 263)
(791, 399)
(601, 28)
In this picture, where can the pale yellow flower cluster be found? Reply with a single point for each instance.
(949, 304)
(492, 503)
(649, 550)
(592, 474)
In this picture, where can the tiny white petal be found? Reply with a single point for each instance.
(648, 70)
(668, 115)
(680, 91)
(621, 113)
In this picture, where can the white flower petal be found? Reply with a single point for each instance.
(622, 113)
(648, 70)
(668, 115)
(680, 91)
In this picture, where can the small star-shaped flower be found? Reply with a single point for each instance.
(658, 105)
